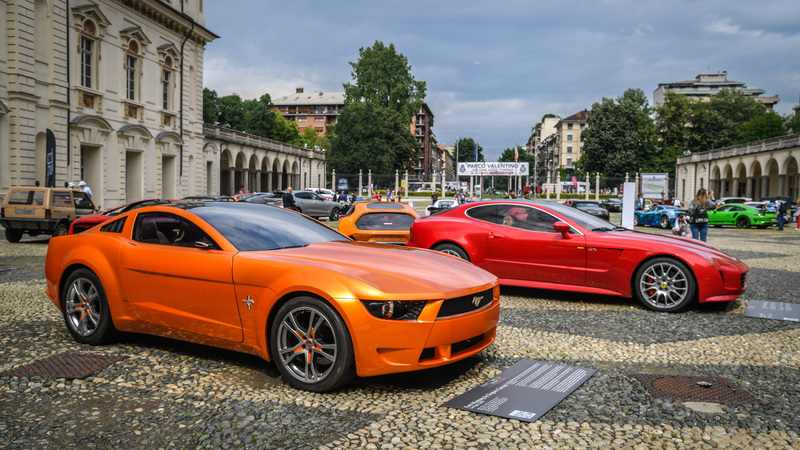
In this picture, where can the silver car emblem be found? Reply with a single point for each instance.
(249, 301)
(476, 301)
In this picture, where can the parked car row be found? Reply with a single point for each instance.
(327, 305)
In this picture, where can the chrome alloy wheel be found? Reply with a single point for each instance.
(306, 344)
(664, 286)
(82, 307)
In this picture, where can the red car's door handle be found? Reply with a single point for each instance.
(496, 236)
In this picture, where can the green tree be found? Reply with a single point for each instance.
(793, 123)
(382, 77)
(370, 137)
(210, 110)
(466, 150)
(619, 136)
(733, 109)
(231, 112)
(760, 127)
(508, 156)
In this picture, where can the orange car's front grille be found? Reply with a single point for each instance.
(466, 303)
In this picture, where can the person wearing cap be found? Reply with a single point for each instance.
(82, 185)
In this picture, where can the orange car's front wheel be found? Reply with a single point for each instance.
(311, 346)
(85, 308)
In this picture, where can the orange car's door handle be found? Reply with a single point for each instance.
(496, 236)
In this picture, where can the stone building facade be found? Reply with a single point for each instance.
(759, 169)
(116, 88)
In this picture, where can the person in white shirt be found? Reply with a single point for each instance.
(82, 185)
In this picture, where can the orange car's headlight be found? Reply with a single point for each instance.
(394, 310)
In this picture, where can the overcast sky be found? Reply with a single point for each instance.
(493, 69)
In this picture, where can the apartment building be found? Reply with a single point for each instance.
(706, 85)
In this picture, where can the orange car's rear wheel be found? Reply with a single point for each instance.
(85, 308)
(311, 346)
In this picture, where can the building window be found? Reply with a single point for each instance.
(569, 162)
(569, 126)
(87, 61)
(569, 149)
(165, 90)
(302, 119)
(581, 150)
(130, 77)
(319, 119)
(569, 136)
(583, 125)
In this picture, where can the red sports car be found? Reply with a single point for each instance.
(553, 246)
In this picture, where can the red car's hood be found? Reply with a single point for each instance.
(389, 268)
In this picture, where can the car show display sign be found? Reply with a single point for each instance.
(492, 168)
(524, 391)
(763, 309)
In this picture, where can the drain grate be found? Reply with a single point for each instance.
(694, 388)
(65, 365)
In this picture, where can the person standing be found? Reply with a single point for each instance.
(639, 204)
(698, 211)
(782, 210)
(288, 199)
(84, 188)
(797, 216)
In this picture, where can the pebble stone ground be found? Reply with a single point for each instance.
(169, 394)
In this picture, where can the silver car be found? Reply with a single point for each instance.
(312, 204)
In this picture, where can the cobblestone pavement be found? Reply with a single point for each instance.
(169, 394)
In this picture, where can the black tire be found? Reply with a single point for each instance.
(743, 222)
(334, 214)
(331, 363)
(452, 249)
(298, 210)
(62, 229)
(635, 220)
(85, 308)
(717, 226)
(664, 222)
(664, 284)
(13, 235)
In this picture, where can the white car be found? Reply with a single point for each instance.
(440, 205)
(327, 194)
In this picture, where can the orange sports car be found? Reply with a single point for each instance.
(273, 283)
(386, 222)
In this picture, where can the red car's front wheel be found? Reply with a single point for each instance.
(664, 284)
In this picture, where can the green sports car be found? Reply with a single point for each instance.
(742, 216)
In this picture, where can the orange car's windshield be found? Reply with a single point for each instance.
(251, 227)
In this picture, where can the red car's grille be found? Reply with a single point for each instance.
(466, 303)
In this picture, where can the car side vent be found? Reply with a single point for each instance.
(466, 303)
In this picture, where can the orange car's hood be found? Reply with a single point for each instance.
(363, 268)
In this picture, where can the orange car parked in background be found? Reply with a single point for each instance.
(273, 283)
(386, 222)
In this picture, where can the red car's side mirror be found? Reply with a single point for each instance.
(563, 228)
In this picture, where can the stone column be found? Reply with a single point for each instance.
(397, 185)
(748, 190)
(360, 181)
(597, 187)
(406, 180)
(587, 185)
(333, 181)
(548, 185)
(232, 181)
(765, 185)
(735, 188)
(781, 184)
(558, 186)
(258, 181)
(369, 183)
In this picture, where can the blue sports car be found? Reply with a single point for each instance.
(657, 216)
